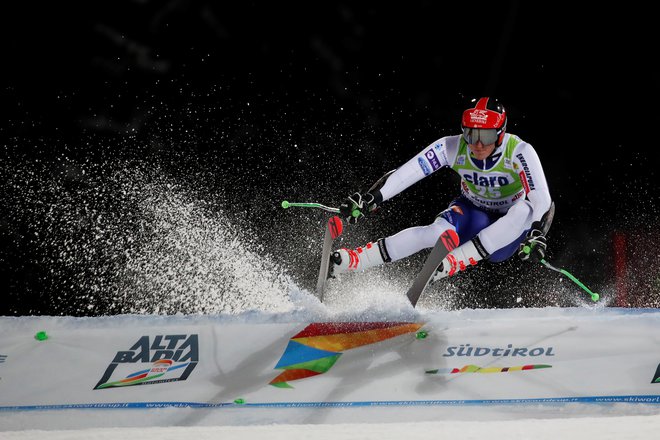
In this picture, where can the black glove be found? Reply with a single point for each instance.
(356, 206)
(533, 246)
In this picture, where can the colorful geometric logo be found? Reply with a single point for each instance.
(158, 369)
(477, 369)
(318, 346)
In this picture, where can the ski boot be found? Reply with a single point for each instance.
(458, 260)
(351, 260)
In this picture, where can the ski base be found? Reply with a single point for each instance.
(333, 229)
(447, 242)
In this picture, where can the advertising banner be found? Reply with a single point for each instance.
(145, 362)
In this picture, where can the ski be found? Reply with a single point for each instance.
(333, 229)
(446, 243)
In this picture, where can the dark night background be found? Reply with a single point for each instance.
(252, 103)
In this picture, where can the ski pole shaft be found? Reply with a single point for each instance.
(594, 296)
(286, 205)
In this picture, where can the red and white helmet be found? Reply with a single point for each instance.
(485, 122)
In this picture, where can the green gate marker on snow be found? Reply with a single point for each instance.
(41, 336)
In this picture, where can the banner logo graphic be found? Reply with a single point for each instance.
(509, 350)
(477, 369)
(318, 346)
(166, 358)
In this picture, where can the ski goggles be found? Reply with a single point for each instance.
(487, 136)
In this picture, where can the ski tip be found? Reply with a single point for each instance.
(336, 226)
(450, 239)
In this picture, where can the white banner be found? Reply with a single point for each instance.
(479, 358)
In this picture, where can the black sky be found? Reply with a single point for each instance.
(578, 85)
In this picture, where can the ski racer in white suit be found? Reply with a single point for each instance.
(502, 206)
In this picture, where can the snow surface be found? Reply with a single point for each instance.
(619, 428)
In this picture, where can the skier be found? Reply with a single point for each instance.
(504, 196)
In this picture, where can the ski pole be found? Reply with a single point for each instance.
(594, 296)
(285, 205)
